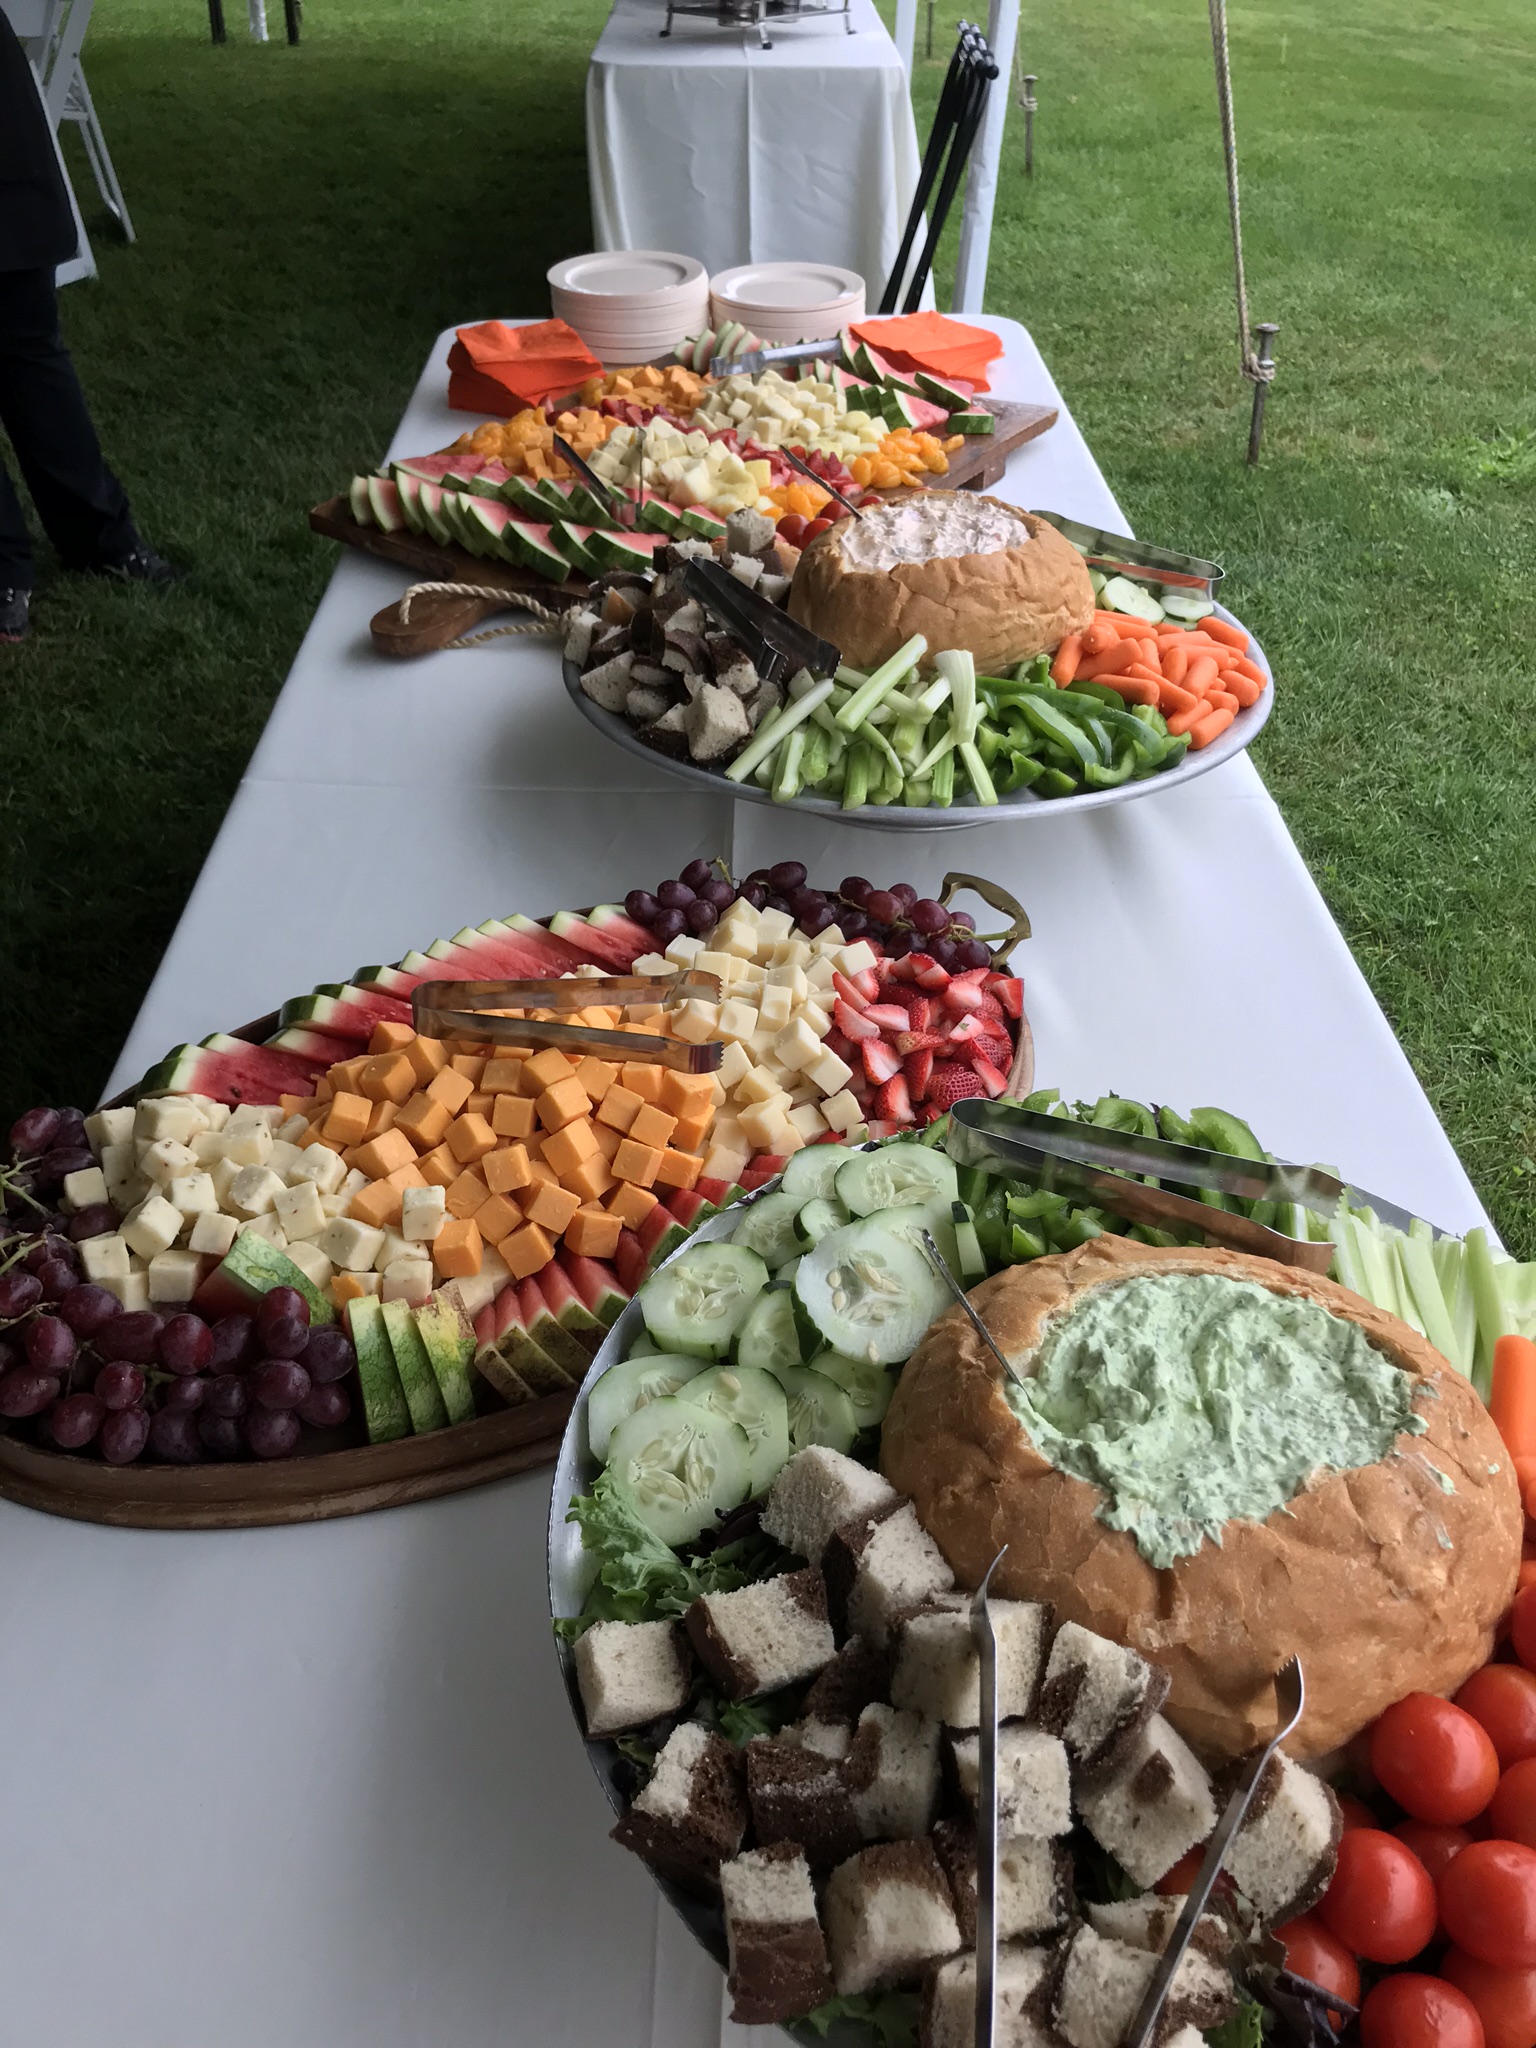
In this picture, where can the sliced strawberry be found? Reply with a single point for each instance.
(888, 1016)
(930, 974)
(880, 1127)
(853, 1024)
(920, 1041)
(843, 1047)
(951, 1084)
(998, 1050)
(991, 1007)
(1008, 990)
(920, 1011)
(893, 1103)
(905, 969)
(918, 1068)
(881, 1061)
(928, 1113)
(961, 997)
(883, 968)
(860, 1089)
(868, 979)
(967, 1029)
(850, 992)
(991, 1078)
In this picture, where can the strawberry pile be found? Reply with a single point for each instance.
(921, 1038)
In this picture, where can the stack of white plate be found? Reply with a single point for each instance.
(785, 302)
(627, 304)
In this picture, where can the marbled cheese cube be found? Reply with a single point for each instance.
(164, 1158)
(349, 1244)
(176, 1117)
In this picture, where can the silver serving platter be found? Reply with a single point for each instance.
(1023, 805)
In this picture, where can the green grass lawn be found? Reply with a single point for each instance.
(309, 218)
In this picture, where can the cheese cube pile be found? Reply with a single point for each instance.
(781, 1086)
(685, 467)
(776, 412)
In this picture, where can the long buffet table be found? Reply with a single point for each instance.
(319, 1786)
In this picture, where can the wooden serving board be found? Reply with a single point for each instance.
(981, 462)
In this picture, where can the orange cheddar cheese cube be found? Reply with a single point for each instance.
(405, 1177)
(378, 1205)
(566, 1148)
(466, 1194)
(643, 1078)
(593, 1234)
(608, 1139)
(513, 1117)
(619, 1107)
(383, 1119)
(679, 1169)
(638, 1163)
(526, 1251)
(596, 1076)
(591, 1180)
(297, 1105)
(552, 1207)
(471, 1138)
(451, 1088)
(481, 1103)
(423, 1121)
(323, 1089)
(381, 1155)
(428, 1056)
(347, 1123)
(545, 1069)
(652, 1126)
(506, 1169)
(497, 1218)
(315, 1135)
(471, 1065)
(458, 1248)
(345, 1074)
(691, 1131)
(562, 1104)
(347, 1287)
(387, 1036)
(686, 1094)
(387, 1077)
(439, 1168)
(631, 1204)
(503, 1075)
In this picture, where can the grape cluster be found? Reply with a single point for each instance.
(897, 920)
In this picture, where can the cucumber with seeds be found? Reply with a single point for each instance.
(699, 1300)
(630, 1385)
(679, 1466)
(754, 1400)
(870, 1293)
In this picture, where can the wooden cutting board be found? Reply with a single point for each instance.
(981, 462)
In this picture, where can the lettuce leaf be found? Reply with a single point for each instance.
(1245, 2029)
(892, 2014)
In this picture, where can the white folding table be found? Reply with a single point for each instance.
(319, 1786)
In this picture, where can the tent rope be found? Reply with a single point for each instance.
(1256, 371)
(542, 621)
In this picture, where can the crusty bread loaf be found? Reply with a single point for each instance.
(1004, 606)
(1383, 1582)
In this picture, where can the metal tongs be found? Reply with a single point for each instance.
(624, 506)
(757, 359)
(1085, 1160)
(447, 1009)
(1118, 555)
(985, 1639)
(798, 462)
(778, 646)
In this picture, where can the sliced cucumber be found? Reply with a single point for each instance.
(754, 1401)
(870, 1293)
(629, 1385)
(819, 1411)
(818, 1217)
(973, 1265)
(812, 1171)
(679, 1465)
(1122, 595)
(699, 1300)
(869, 1387)
(768, 1228)
(910, 1221)
(1189, 607)
(788, 1270)
(771, 1337)
(894, 1176)
(645, 1346)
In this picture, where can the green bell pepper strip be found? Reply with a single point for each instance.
(1097, 777)
(1062, 730)
(885, 678)
(1024, 1245)
(1120, 1113)
(988, 741)
(1056, 782)
(1175, 1128)
(1024, 771)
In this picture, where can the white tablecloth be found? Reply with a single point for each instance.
(707, 144)
(318, 1787)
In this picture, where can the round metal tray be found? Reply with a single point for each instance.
(1023, 805)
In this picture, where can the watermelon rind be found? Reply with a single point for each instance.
(950, 396)
(973, 422)
(423, 1396)
(531, 540)
(358, 501)
(386, 1413)
(625, 550)
(707, 525)
(251, 1268)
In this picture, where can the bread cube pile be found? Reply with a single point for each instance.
(843, 1849)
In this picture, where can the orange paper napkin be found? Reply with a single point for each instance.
(933, 342)
(494, 368)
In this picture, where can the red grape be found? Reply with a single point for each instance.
(668, 925)
(696, 874)
(674, 895)
(272, 1434)
(881, 907)
(51, 1344)
(285, 1337)
(75, 1420)
(120, 1386)
(18, 1293)
(183, 1396)
(173, 1436)
(25, 1392)
(62, 1160)
(972, 953)
(227, 1395)
(94, 1221)
(854, 889)
(124, 1435)
(278, 1306)
(928, 916)
(186, 1344)
(56, 1277)
(787, 875)
(905, 895)
(279, 1383)
(817, 920)
(755, 893)
(641, 905)
(897, 945)
(946, 952)
(135, 1337)
(34, 1131)
(721, 894)
(325, 1407)
(328, 1356)
(40, 1253)
(220, 1434)
(701, 917)
(232, 1343)
(964, 919)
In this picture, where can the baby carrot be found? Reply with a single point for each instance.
(1525, 1472)
(1099, 638)
(1100, 667)
(1134, 689)
(1234, 636)
(1200, 674)
(1171, 698)
(1151, 654)
(1186, 721)
(1251, 669)
(1243, 688)
(1128, 626)
(1513, 1401)
(1209, 727)
(1141, 673)
(1222, 700)
(1068, 655)
(1175, 662)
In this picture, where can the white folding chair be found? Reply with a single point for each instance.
(52, 33)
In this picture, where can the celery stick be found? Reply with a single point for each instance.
(1417, 1266)
(856, 776)
(885, 678)
(791, 713)
(817, 757)
(905, 706)
(917, 794)
(935, 755)
(907, 739)
(1346, 1266)
(1492, 1322)
(851, 678)
(935, 695)
(763, 773)
(959, 668)
(976, 769)
(1377, 1269)
(1451, 1265)
(944, 782)
(786, 785)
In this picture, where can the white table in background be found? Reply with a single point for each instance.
(707, 144)
(318, 1787)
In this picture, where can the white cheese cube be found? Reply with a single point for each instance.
(798, 1046)
(355, 1180)
(773, 927)
(266, 1226)
(298, 1210)
(775, 1003)
(828, 1072)
(842, 1112)
(790, 974)
(423, 1212)
(176, 1117)
(193, 1194)
(152, 1227)
(855, 959)
(709, 962)
(684, 950)
(165, 1158)
(131, 1289)
(284, 1157)
(247, 1144)
(786, 1139)
(760, 1123)
(85, 1189)
(819, 974)
(224, 1173)
(828, 942)
(750, 979)
(255, 1116)
(695, 1021)
(253, 1191)
(368, 1282)
(104, 1258)
(291, 1132)
(735, 938)
(207, 1146)
(394, 1247)
(808, 1121)
(320, 1165)
(406, 1280)
(816, 1018)
(335, 1205)
(217, 1114)
(174, 1276)
(312, 1263)
(717, 1093)
(108, 1127)
(726, 1162)
(351, 1244)
(737, 1019)
(212, 1234)
(119, 1163)
(735, 1064)
(761, 1044)
(756, 1085)
(652, 963)
(792, 953)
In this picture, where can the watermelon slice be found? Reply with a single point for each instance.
(953, 393)
(614, 550)
(489, 517)
(613, 922)
(596, 945)
(718, 1193)
(555, 498)
(531, 541)
(251, 1269)
(555, 948)
(574, 542)
(629, 1260)
(696, 519)
(344, 1011)
(463, 467)
(232, 1070)
(527, 951)
(597, 1285)
(357, 501)
(323, 1046)
(689, 1207)
(552, 1338)
(434, 520)
(409, 490)
(384, 503)
(656, 515)
(570, 1311)
(660, 1235)
(425, 469)
(522, 494)
(489, 481)
(513, 1345)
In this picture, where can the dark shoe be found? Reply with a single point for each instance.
(142, 565)
(15, 619)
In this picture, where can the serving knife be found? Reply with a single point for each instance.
(828, 350)
(778, 646)
(447, 1009)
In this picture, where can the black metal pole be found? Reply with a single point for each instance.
(293, 12)
(1030, 81)
(1266, 331)
(216, 21)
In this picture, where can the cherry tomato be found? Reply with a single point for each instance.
(1410, 2011)
(1513, 1812)
(817, 526)
(1381, 1903)
(1356, 1813)
(1505, 1999)
(1435, 1759)
(1312, 1952)
(1432, 1844)
(1503, 1698)
(1488, 1903)
(1522, 1626)
(792, 529)
(1175, 1883)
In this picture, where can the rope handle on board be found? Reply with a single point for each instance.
(543, 620)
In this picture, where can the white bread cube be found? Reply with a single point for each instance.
(888, 1915)
(818, 1489)
(1034, 1780)
(349, 1244)
(254, 1191)
(152, 1227)
(298, 1210)
(174, 1276)
(83, 1190)
(212, 1234)
(1157, 1805)
(105, 1258)
(893, 1774)
(108, 1127)
(312, 1263)
(423, 1212)
(630, 1673)
(938, 1671)
(176, 1117)
(949, 2001)
(319, 1164)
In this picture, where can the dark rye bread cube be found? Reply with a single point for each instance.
(797, 1796)
(777, 1952)
(859, 1674)
(763, 1636)
(1034, 1882)
(1099, 1985)
(877, 1563)
(1282, 1856)
(1097, 1696)
(692, 1813)
(1022, 2012)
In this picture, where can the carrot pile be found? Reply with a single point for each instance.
(1198, 679)
(1512, 1404)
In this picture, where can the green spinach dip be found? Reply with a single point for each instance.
(1192, 1400)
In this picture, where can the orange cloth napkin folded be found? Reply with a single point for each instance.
(933, 342)
(494, 368)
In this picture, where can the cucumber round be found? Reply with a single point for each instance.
(869, 1387)
(630, 1385)
(909, 1222)
(679, 1466)
(870, 1293)
(768, 1228)
(771, 1337)
(699, 1300)
(754, 1401)
(894, 1176)
(818, 1217)
(812, 1171)
(819, 1411)
(789, 1269)
(645, 1346)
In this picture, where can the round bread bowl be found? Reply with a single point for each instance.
(1382, 1582)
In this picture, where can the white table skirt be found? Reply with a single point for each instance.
(318, 1786)
(706, 144)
